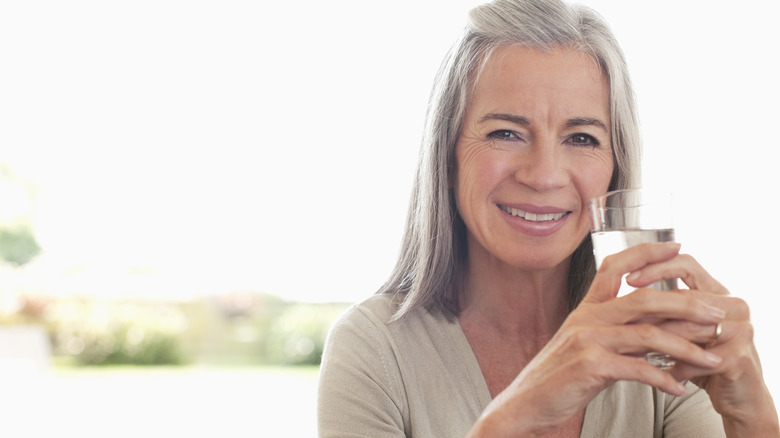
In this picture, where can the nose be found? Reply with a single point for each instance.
(543, 167)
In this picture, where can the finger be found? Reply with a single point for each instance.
(734, 345)
(642, 339)
(684, 267)
(620, 367)
(606, 284)
(736, 308)
(702, 334)
(652, 306)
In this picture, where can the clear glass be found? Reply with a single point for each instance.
(625, 218)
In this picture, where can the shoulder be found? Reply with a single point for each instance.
(380, 373)
(378, 312)
(369, 335)
(380, 307)
(360, 385)
(372, 324)
(360, 337)
(374, 313)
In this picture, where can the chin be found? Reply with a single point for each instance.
(537, 262)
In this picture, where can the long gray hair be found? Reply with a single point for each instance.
(431, 270)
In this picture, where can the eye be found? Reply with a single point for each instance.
(503, 134)
(584, 140)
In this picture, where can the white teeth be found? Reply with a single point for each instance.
(533, 217)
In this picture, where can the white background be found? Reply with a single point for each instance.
(172, 147)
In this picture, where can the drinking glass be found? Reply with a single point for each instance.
(625, 218)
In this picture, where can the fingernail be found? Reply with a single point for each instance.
(712, 358)
(674, 245)
(681, 389)
(634, 276)
(717, 313)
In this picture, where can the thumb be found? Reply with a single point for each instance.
(606, 283)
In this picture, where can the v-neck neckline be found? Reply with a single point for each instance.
(480, 388)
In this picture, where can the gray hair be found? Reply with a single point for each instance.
(431, 270)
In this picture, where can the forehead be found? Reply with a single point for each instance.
(516, 77)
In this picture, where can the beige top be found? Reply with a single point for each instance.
(418, 377)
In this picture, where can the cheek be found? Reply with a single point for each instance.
(478, 174)
(595, 176)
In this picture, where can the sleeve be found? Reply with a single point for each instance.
(692, 415)
(360, 390)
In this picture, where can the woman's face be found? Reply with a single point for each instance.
(534, 147)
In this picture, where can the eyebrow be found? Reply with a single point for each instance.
(519, 120)
(586, 121)
(523, 121)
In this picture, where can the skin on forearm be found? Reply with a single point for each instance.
(763, 424)
(741, 430)
(494, 424)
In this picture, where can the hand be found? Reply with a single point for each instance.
(602, 341)
(736, 386)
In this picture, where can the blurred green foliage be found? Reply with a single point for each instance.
(116, 332)
(18, 245)
(238, 328)
(297, 336)
(235, 329)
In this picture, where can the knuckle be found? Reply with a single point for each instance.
(643, 297)
(590, 359)
(591, 362)
(743, 361)
(645, 332)
(690, 327)
(608, 263)
(741, 308)
(747, 330)
(580, 315)
(689, 259)
(692, 303)
(579, 337)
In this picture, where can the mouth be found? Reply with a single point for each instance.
(533, 217)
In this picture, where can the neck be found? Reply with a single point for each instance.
(521, 304)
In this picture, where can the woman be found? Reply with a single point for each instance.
(494, 322)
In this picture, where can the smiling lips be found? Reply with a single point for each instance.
(533, 217)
